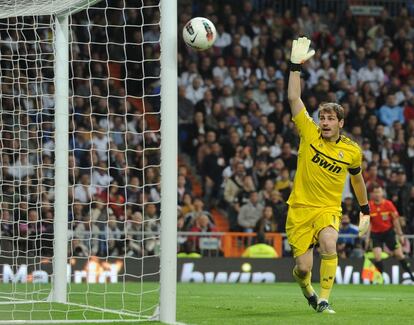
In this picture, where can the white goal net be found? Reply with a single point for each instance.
(113, 160)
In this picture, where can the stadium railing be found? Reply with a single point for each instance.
(214, 244)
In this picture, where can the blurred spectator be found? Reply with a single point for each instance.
(133, 191)
(371, 177)
(185, 112)
(289, 158)
(265, 193)
(250, 213)
(239, 198)
(346, 246)
(84, 191)
(85, 238)
(186, 205)
(359, 60)
(6, 232)
(181, 189)
(205, 105)
(234, 183)
(195, 91)
(223, 39)
(400, 193)
(190, 217)
(279, 209)
(373, 74)
(183, 171)
(116, 200)
(47, 226)
(351, 209)
(391, 112)
(211, 170)
(348, 73)
(21, 168)
(114, 237)
(100, 177)
(134, 228)
(151, 222)
(220, 70)
(267, 222)
(100, 143)
(284, 184)
(202, 224)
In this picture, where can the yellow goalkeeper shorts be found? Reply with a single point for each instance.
(304, 224)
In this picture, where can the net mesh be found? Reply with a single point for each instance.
(114, 176)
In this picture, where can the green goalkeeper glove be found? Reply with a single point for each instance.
(300, 51)
(364, 222)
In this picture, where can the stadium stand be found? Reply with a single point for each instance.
(235, 130)
(236, 94)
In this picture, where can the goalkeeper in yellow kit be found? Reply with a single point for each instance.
(324, 159)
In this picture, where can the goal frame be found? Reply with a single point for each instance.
(166, 312)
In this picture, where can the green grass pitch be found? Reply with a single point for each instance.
(238, 304)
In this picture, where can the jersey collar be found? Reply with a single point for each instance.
(339, 138)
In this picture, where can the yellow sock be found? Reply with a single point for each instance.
(327, 272)
(304, 283)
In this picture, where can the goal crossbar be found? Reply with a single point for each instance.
(16, 8)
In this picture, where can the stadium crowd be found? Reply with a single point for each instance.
(113, 149)
(234, 121)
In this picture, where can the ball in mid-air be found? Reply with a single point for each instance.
(199, 33)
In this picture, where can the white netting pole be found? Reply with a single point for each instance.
(168, 161)
(61, 159)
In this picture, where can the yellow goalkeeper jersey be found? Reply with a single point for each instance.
(322, 166)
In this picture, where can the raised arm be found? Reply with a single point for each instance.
(294, 91)
(300, 53)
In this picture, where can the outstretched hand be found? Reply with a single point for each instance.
(300, 50)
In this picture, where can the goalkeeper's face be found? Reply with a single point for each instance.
(330, 125)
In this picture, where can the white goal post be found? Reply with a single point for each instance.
(88, 175)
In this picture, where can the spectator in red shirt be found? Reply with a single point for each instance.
(409, 109)
(202, 224)
(384, 225)
(115, 200)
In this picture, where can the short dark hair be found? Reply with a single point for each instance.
(375, 186)
(401, 171)
(332, 108)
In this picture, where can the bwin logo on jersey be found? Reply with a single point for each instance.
(332, 167)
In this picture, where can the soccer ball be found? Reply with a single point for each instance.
(199, 33)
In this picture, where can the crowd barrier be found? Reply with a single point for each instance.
(212, 244)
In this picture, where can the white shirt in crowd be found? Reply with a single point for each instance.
(220, 72)
(195, 95)
(101, 145)
(374, 76)
(101, 179)
(223, 40)
(84, 193)
(20, 169)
